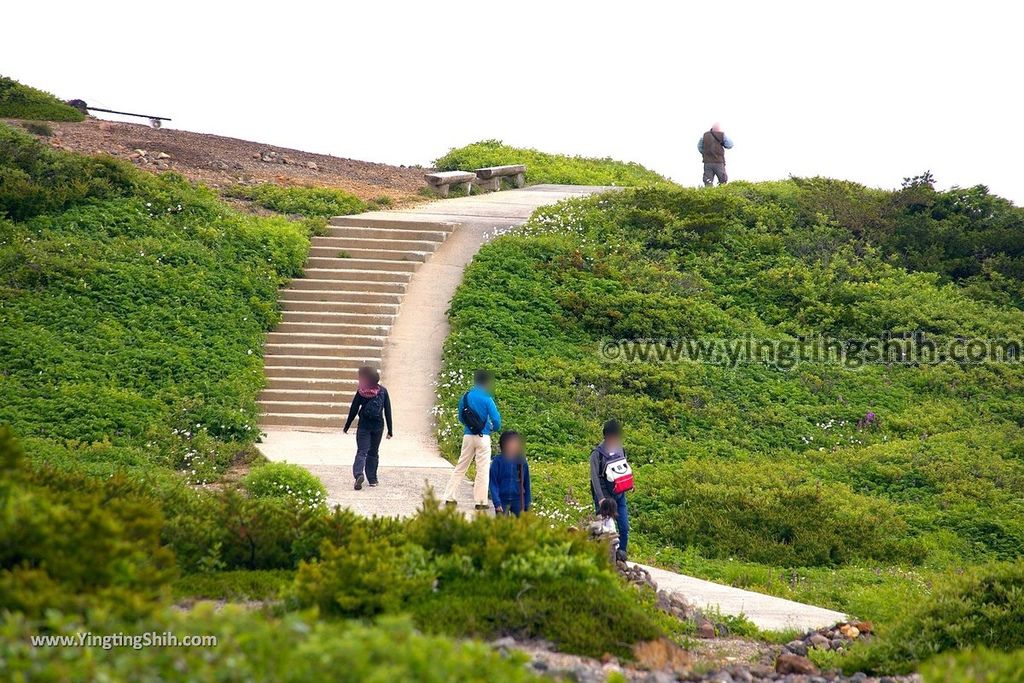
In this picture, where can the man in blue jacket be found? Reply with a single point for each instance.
(479, 417)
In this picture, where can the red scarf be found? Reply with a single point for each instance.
(367, 389)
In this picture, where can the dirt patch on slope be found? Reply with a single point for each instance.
(218, 161)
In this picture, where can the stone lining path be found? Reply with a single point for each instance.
(311, 363)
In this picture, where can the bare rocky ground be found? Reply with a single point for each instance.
(219, 161)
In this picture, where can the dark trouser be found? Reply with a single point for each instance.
(712, 171)
(622, 521)
(367, 452)
(512, 506)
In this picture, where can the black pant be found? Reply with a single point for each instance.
(367, 452)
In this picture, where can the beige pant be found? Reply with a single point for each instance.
(473, 448)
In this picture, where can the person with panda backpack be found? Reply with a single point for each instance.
(611, 478)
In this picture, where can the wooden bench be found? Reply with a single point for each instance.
(442, 180)
(490, 178)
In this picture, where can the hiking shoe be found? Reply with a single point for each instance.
(483, 507)
(372, 484)
(451, 504)
(359, 482)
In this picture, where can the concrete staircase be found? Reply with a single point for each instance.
(338, 316)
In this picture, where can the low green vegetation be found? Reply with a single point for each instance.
(542, 167)
(19, 101)
(312, 202)
(855, 486)
(105, 552)
(979, 665)
(284, 480)
(252, 646)
(133, 310)
(983, 607)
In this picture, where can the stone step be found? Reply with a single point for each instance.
(358, 275)
(348, 286)
(360, 329)
(377, 254)
(329, 340)
(309, 305)
(387, 233)
(306, 396)
(344, 386)
(366, 355)
(303, 420)
(314, 367)
(337, 263)
(339, 243)
(336, 297)
(337, 317)
(393, 222)
(305, 407)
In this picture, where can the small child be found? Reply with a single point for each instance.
(603, 527)
(510, 476)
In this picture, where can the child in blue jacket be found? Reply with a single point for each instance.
(510, 476)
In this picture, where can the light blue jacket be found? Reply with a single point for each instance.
(483, 405)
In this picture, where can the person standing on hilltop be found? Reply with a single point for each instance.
(373, 405)
(610, 478)
(712, 146)
(479, 417)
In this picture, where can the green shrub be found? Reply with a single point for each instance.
(19, 101)
(72, 543)
(975, 666)
(40, 129)
(542, 167)
(268, 584)
(282, 480)
(253, 647)
(484, 577)
(983, 607)
(364, 577)
(305, 201)
(777, 517)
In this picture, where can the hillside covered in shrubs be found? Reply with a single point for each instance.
(133, 309)
(851, 485)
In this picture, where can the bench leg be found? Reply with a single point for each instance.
(519, 180)
(469, 188)
(491, 184)
(442, 190)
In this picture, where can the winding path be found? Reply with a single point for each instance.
(405, 267)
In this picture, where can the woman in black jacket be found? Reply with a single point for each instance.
(373, 405)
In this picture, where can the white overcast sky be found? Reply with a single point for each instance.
(869, 91)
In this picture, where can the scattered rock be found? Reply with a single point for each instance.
(705, 629)
(788, 663)
(312, 165)
(140, 153)
(163, 155)
(674, 604)
(864, 627)
(797, 647)
(849, 631)
(819, 641)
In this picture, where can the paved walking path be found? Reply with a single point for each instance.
(400, 324)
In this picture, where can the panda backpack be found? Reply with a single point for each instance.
(618, 472)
